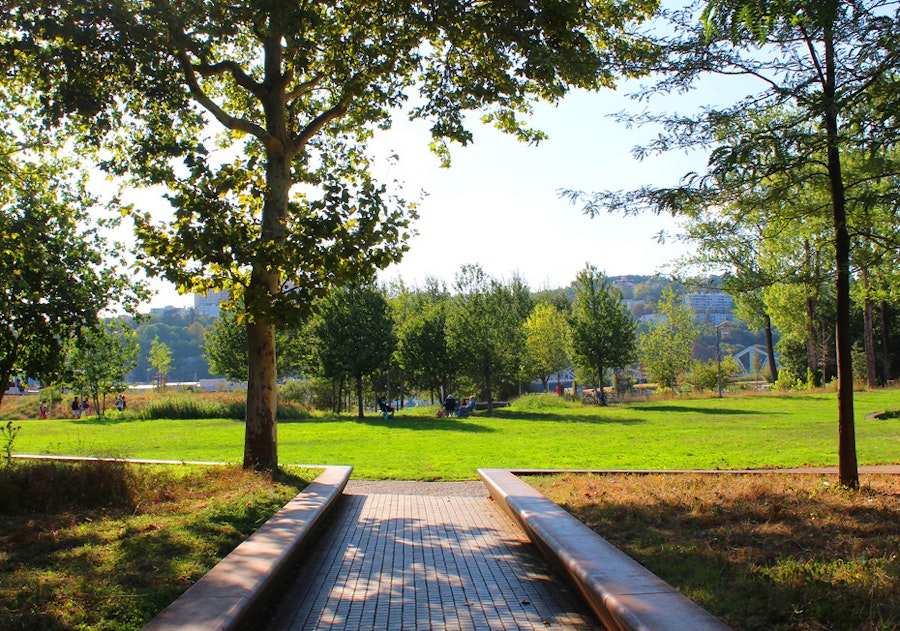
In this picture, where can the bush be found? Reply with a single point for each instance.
(704, 376)
(787, 380)
(542, 401)
(191, 407)
(300, 391)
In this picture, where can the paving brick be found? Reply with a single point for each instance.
(442, 558)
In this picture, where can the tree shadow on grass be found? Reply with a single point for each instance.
(662, 407)
(407, 422)
(105, 420)
(756, 540)
(592, 419)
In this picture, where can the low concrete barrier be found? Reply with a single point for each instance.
(227, 597)
(624, 594)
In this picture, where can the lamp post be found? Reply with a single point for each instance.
(719, 354)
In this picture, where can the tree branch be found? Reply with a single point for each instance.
(232, 68)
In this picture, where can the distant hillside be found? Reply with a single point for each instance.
(182, 330)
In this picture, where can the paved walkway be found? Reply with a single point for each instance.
(417, 556)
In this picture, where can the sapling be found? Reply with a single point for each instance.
(9, 437)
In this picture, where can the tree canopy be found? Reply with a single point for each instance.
(282, 205)
(667, 348)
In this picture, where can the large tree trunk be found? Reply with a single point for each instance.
(261, 440)
(848, 470)
(770, 351)
(260, 437)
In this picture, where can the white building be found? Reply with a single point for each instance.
(712, 308)
(208, 305)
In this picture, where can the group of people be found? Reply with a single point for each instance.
(453, 408)
(82, 406)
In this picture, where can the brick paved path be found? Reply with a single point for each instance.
(444, 558)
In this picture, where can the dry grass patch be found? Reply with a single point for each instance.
(761, 551)
(107, 545)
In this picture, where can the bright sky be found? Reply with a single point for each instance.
(498, 204)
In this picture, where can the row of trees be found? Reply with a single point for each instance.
(485, 337)
(494, 338)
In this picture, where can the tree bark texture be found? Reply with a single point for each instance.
(260, 435)
(848, 470)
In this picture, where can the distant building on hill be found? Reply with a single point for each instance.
(210, 303)
(159, 311)
(712, 308)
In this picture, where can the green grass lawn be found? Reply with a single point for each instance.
(536, 432)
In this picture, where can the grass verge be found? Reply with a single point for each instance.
(761, 551)
(96, 546)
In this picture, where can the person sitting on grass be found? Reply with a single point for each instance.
(449, 405)
(467, 408)
(387, 411)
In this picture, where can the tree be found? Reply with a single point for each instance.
(225, 348)
(829, 67)
(354, 334)
(161, 360)
(298, 89)
(484, 329)
(545, 343)
(601, 331)
(423, 349)
(56, 272)
(667, 348)
(98, 363)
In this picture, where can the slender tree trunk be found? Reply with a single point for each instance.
(488, 382)
(869, 334)
(885, 346)
(360, 413)
(7, 363)
(770, 351)
(812, 349)
(848, 470)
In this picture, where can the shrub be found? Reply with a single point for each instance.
(542, 401)
(297, 391)
(786, 379)
(190, 407)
